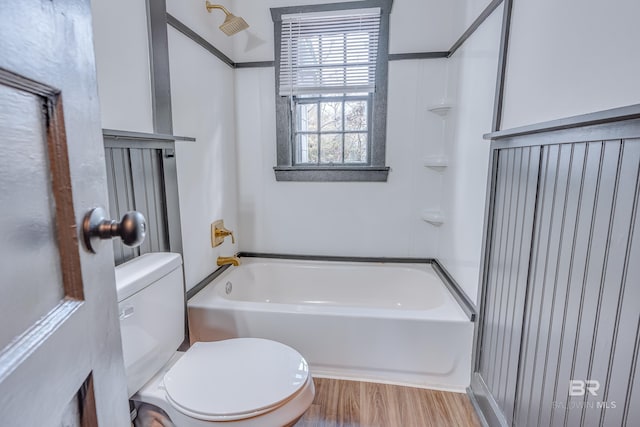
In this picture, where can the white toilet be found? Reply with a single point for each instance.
(237, 382)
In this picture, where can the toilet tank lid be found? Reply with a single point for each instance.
(140, 272)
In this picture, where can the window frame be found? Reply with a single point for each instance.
(286, 168)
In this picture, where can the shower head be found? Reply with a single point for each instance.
(232, 24)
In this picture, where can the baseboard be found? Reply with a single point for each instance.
(485, 405)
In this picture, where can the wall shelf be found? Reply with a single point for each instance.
(435, 218)
(441, 109)
(437, 163)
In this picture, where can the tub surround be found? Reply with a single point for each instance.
(210, 278)
(456, 291)
(328, 310)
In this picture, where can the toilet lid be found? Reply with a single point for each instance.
(234, 379)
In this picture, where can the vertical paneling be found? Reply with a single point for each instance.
(514, 206)
(602, 212)
(542, 285)
(135, 182)
(615, 237)
(141, 201)
(618, 334)
(575, 263)
(506, 262)
(146, 169)
(504, 165)
(120, 187)
(518, 277)
(558, 267)
(113, 201)
(561, 300)
(159, 200)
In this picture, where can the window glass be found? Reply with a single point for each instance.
(331, 130)
(355, 115)
(355, 148)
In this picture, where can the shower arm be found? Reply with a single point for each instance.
(210, 7)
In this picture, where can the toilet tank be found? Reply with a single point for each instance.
(151, 306)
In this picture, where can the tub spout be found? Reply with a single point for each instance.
(224, 260)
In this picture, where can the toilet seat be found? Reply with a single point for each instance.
(235, 379)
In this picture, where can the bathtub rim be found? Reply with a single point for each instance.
(458, 294)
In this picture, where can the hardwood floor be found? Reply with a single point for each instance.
(359, 404)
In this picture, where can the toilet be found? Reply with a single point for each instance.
(247, 382)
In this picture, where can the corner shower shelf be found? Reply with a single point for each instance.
(435, 218)
(441, 109)
(437, 163)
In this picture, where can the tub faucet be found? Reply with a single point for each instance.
(224, 260)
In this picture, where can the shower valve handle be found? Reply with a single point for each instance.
(219, 232)
(223, 232)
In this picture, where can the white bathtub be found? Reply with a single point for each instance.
(382, 322)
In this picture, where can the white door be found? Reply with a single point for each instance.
(60, 356)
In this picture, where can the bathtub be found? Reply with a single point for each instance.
(382, 322)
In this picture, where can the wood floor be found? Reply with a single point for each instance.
(360, 404)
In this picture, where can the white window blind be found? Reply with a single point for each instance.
(333, 52)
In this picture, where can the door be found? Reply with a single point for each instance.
(60, 355)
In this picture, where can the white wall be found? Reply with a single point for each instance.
(359, 219)
(346, 218)
(571, 57)
(194, 15)
(472, 79)
(203, 107)
(465, 12)
(422, 26)
(122, 61)
(228, 172)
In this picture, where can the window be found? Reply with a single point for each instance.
(331, 84)
(331, 130)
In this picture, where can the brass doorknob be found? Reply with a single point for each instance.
(132, 229)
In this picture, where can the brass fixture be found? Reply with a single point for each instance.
(232, 24)
(219, 232)
(224, 260)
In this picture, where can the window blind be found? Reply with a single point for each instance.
(333, 52)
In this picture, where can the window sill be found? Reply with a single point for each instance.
(332, 173)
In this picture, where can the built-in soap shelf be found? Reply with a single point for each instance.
(441, 109)
(437, 163)
(435, 218)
